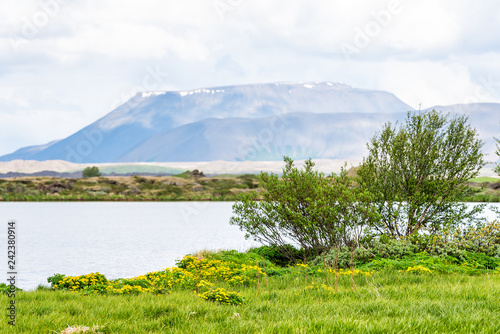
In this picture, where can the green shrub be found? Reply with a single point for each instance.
(222, 296)
(370, 250)
(305, 207)
(6, 288)
(275, 254)
(55, 279)
(76, 283)
(91, 172)
(417, 172)
(482, 238)
(475, 265)
(476, 244)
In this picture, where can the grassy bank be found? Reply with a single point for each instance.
(182, 187)
(390, 302)
(293, 299)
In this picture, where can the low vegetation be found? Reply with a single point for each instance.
(182, 187)
(91, 172)
(232, 292)
(186, 186)
(483, 190)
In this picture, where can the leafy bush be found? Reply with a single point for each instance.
(76, 283)
(372, 249)
(55, 279)
(417, 173)
(91, 172)
(475, 244)
(6, 288)
(475, 265)
(482, 238)
(222, 296)
(480, 261)
(275, 254)
(305, 208)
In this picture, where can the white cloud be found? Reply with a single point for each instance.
(125, 40)
(424, 27)
(427, 83)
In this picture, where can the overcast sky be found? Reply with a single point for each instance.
(66, 63)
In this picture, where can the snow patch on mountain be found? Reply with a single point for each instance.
(148, 94)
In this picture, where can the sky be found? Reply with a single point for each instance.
(66, 63)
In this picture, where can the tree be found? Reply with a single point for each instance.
(91, 172)
(418, 172)
(305, 208)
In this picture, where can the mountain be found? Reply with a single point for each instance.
(299, 135)
(27, 151)
(258, 122)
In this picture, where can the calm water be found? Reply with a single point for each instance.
(116, 239)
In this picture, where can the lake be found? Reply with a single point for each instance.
(117, 239)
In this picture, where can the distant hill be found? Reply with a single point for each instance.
(29, 151)
(260, 122)
(298, 135)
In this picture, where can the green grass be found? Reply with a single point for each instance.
(389, 302)
(485, 179)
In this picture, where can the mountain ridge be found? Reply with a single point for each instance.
(319, 120)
